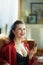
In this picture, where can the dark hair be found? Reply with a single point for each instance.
(13, 27)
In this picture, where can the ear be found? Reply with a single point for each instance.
(13, 31)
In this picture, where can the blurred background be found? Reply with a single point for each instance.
(30, 11)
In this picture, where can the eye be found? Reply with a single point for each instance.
(24, 29)
(19, 28)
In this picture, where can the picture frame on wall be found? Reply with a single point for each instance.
(37, 8)
(32, 19)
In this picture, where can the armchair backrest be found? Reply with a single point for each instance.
(3, 40)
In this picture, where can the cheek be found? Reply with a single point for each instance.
(21, 32)
(24, 32)
(18, 32)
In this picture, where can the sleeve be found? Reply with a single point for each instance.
(30, 61)
(5, 55)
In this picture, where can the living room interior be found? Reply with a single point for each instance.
(31, 12)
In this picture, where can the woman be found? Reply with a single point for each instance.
(16, 52)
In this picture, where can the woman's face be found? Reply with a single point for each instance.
(20, 31)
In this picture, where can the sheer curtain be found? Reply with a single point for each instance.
(8, 14)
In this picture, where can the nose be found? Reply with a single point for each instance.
(22, 30)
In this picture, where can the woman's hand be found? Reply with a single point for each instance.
(32, 52)
(35, 50)
(6, 64)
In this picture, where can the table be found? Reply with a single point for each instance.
(39, 60)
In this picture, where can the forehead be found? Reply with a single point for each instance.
(20, 26)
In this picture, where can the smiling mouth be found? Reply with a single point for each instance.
(22, 34)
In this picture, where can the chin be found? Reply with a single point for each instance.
(21, 37)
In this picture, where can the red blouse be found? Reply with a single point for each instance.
(8, 54)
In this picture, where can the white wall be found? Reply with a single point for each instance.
(41, 37)
(8, 13)
(35, 31)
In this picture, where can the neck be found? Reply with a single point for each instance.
(17, 41)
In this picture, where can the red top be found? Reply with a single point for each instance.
(8, 54)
